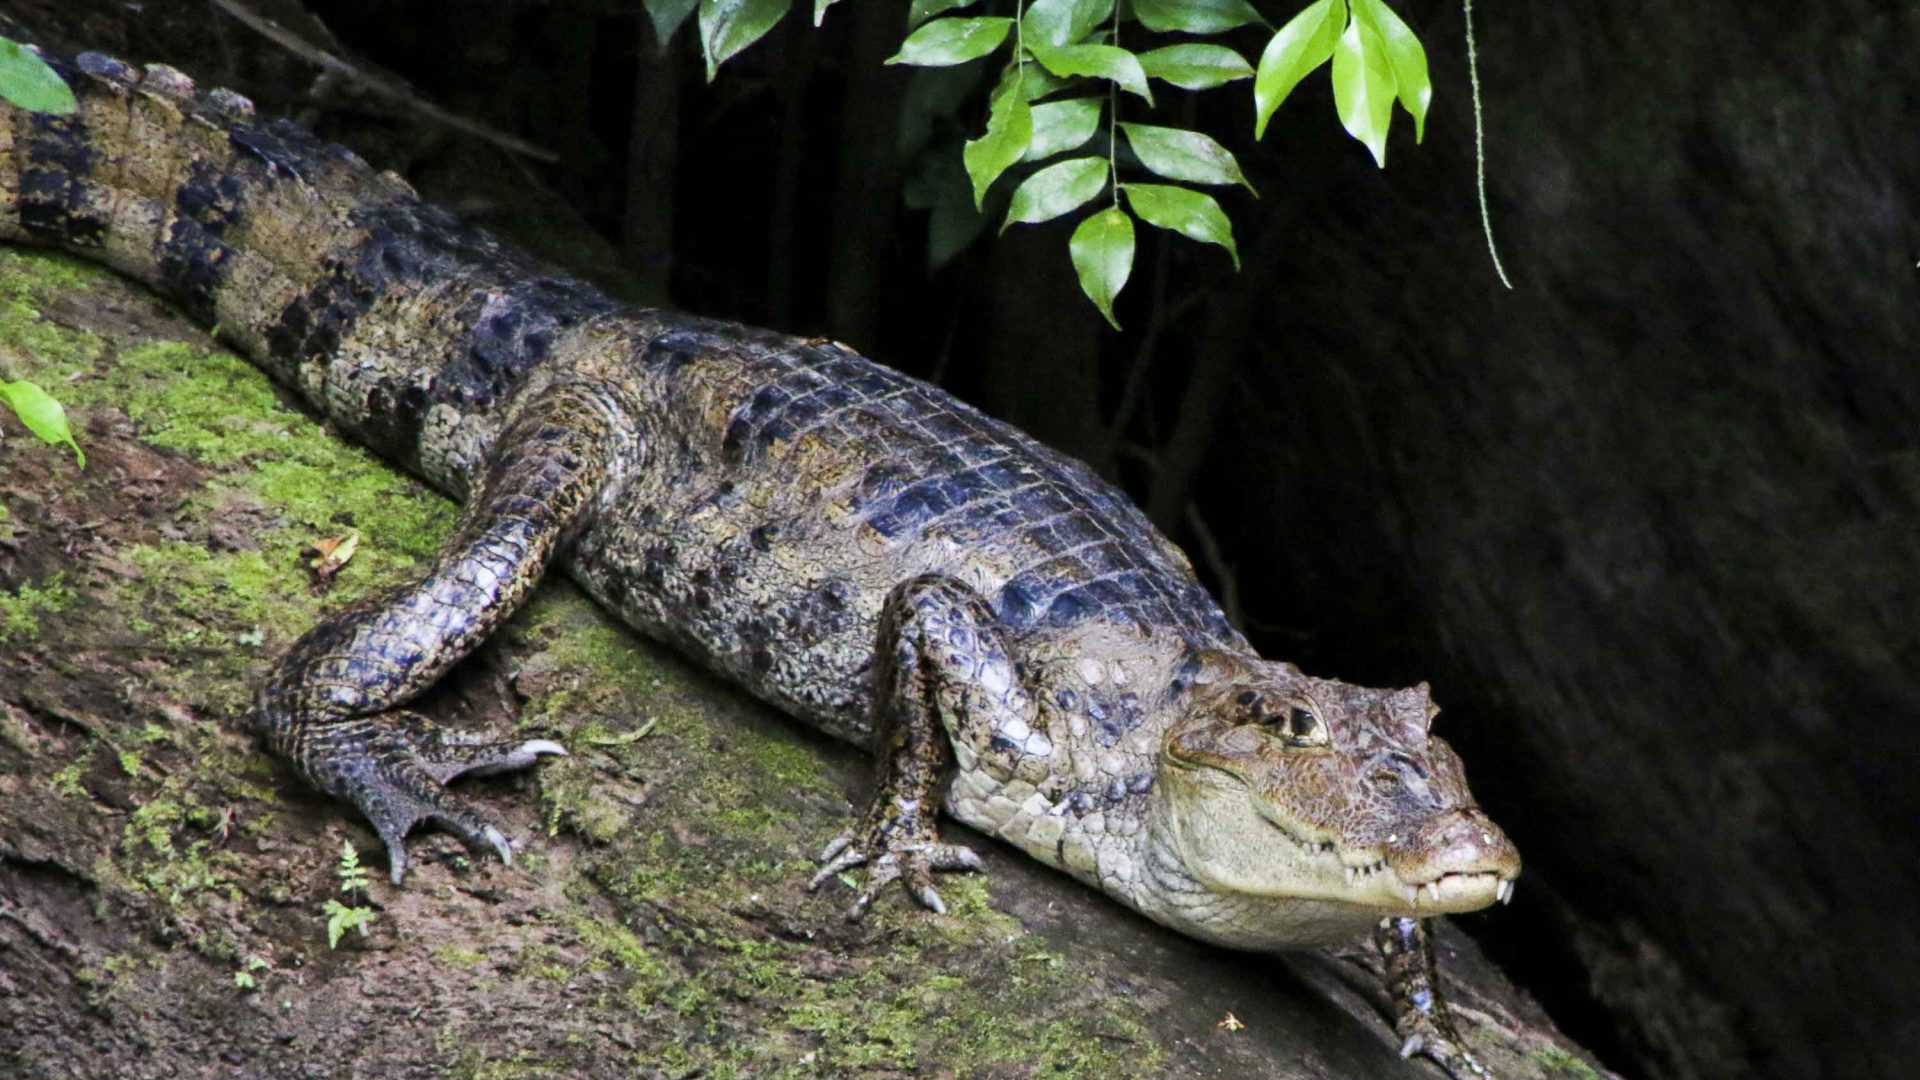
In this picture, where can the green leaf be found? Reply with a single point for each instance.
(1193, 214)
(1032, 81)
(1009, 130)
(1195, 16)
(1062, 125)
(1303, 44)
(1102, 251)
(1405, 56)
(341, 918)
(1196, 67)
(1057, 189)
(1063, 22)
(1183, 155)
(1097, 61)
(728, 26)
(945, 42)
(29, 83)
(42, 415)
(923, 10)
(1363, 88)
(667, 16)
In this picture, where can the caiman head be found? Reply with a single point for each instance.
(1320, 805)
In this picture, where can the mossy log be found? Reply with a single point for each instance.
(163, 882)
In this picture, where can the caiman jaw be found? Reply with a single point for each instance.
(1458, 861)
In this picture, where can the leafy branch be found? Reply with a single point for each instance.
(1040, 112)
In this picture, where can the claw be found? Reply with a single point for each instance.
(885, 872)
(852, 857)
(500, 846)
(1455, 1059)
(916, 862)
(955, 857)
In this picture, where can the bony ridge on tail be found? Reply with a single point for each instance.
(1019, 645)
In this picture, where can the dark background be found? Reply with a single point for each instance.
(1646, 522)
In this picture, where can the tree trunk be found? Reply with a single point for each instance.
(163, 882)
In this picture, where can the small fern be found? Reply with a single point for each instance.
(353, 879)
(353, 876)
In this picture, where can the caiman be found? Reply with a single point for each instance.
(1004, 628)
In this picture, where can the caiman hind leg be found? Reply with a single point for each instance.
(1421, 1017)
(942, 664)
(329, 704)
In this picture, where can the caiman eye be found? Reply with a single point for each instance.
(1297, 725)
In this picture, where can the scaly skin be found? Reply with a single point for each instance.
(1016, 641)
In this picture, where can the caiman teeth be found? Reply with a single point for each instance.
(1504, 891)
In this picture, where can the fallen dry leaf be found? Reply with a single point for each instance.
(333, 553)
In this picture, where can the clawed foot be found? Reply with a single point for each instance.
(1428, 1041)
(396, 772)
(899, 848)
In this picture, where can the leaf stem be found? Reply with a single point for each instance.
(1020, 41)
(1480, 150)
(1113, 120)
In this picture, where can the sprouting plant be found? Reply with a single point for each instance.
(244, 978)
(39, 411)
(353, 880)
(353, 876)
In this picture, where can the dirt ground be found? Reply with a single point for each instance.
(163, 881)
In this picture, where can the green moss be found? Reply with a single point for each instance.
(214, 407)
(614, 943)
(473, 1064)
(454, 956)
(20, 610)
(228, 588)
(1559, 1063)
(153, 823)
(67, 780)
(31, 347)
(34, 274)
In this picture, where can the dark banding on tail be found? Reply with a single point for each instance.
(55, 204)
(194, 257)
(402, 325)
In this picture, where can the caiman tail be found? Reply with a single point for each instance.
(403, 327)
(423, 340)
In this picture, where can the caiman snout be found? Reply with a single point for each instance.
(1458, 859)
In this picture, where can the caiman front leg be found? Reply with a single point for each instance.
(1421, 1017)
(942, 665)
(330, 704)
